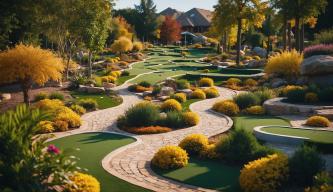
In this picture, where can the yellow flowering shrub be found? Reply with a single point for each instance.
(60, 125)
(255, 110)
(286, 63)
(171, 105)
(209, 152)
(109, 79)
(318, 121)
(311, 97)
(250, 82)
(69, 116)
(48, 104)
(191, 118)
(266, 174)
(198, 94)
(233, 81)
(116, 74)
(83, 182)
(226, 107)
(289, 88)
(45, 127)
(169, 157)
(193, 144)
(211, 92)
(206, 82)
(180, 97)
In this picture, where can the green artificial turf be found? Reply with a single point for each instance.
(93, 147)
(314, 135)
(205, 173)
(186, 104)
(121, 80)
(103, 100)
(249, 122)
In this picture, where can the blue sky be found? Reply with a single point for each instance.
(181, 5)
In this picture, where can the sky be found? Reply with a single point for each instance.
(181, 5)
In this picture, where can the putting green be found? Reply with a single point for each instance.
(205, 173)
(102, 100)
(93, 148)
(249, 122)
(314, 135)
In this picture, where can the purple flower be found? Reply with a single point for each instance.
(53, 149)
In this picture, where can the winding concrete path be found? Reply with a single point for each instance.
(132, 162)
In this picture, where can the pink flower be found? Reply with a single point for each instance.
(53, 149)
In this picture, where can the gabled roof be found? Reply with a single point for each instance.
(171, 12)
(196, 17)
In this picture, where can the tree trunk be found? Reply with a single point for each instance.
(268, 47)
(69, 57)
(297, 34)
(302, 37)
(284, 38)
(289, 36)
(26, 86)
(239, 36)
(90, 65)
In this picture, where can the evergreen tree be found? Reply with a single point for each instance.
(147, 19)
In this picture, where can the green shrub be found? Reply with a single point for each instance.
(145, 84)
(296, 95)
(156, 90)
(304, 165)
(193, 144)
(241, 147)
(88, 104)
(78, 109)
(245, 100)
(174, 119)
(182, 84)
(264, 95)
(57, 95)
(326, 95)
(125, 73)
(141, 115)
(40, 96)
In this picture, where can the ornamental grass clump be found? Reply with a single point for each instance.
(321, 49)
(190, 118)
(264, 95)
(211, 92)
(250, 83)
(182, 84)
(206, 82)
(57, 95)
(265, 174)
(40, 96)
(173, 119)
(170, 157)
(255, 110)
(88, 104)
(198, 94)
(245, 100)
(233, 82)
(194, 144)
(83, 182)
(171, 105)
(180, 97)
(286, 64)
(318, 121)
(226, 107)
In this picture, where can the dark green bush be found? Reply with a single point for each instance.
(88, 104)
(57, 95)
(241, 147)
(40, 96)
(296, 95)
(245, 100)
(125, 73)
(174, 119)
(156, 90)
(145, 84)
(326, 95)
(132, 88)
(182, 84)
(141, 115)
(304, 165)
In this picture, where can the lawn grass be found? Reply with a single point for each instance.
(314, 135)
(103, 100)
(187, 103)
(121, 80)
(93, 148)
(205, 173)
(249, 122)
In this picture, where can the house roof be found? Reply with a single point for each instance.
(196, 17)
(171, 12)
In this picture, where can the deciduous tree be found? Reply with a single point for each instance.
(29, 65)
(170, 30)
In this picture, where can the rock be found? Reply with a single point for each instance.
(188, 92)
(317, 65)
(167, 91)
(163, 98)
(257, 63)
(95, 90)
(226, 64)
(108, 85)
(5, 96)
(260, 51)
(146, 93)
(322, 80)
(328, 113)
(278, 82)
(82, 88)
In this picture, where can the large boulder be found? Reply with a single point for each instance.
(317, 65)
(260, 51)
(167, 91)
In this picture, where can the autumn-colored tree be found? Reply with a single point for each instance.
(29, 65)
(123, 44)
(170, 30)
